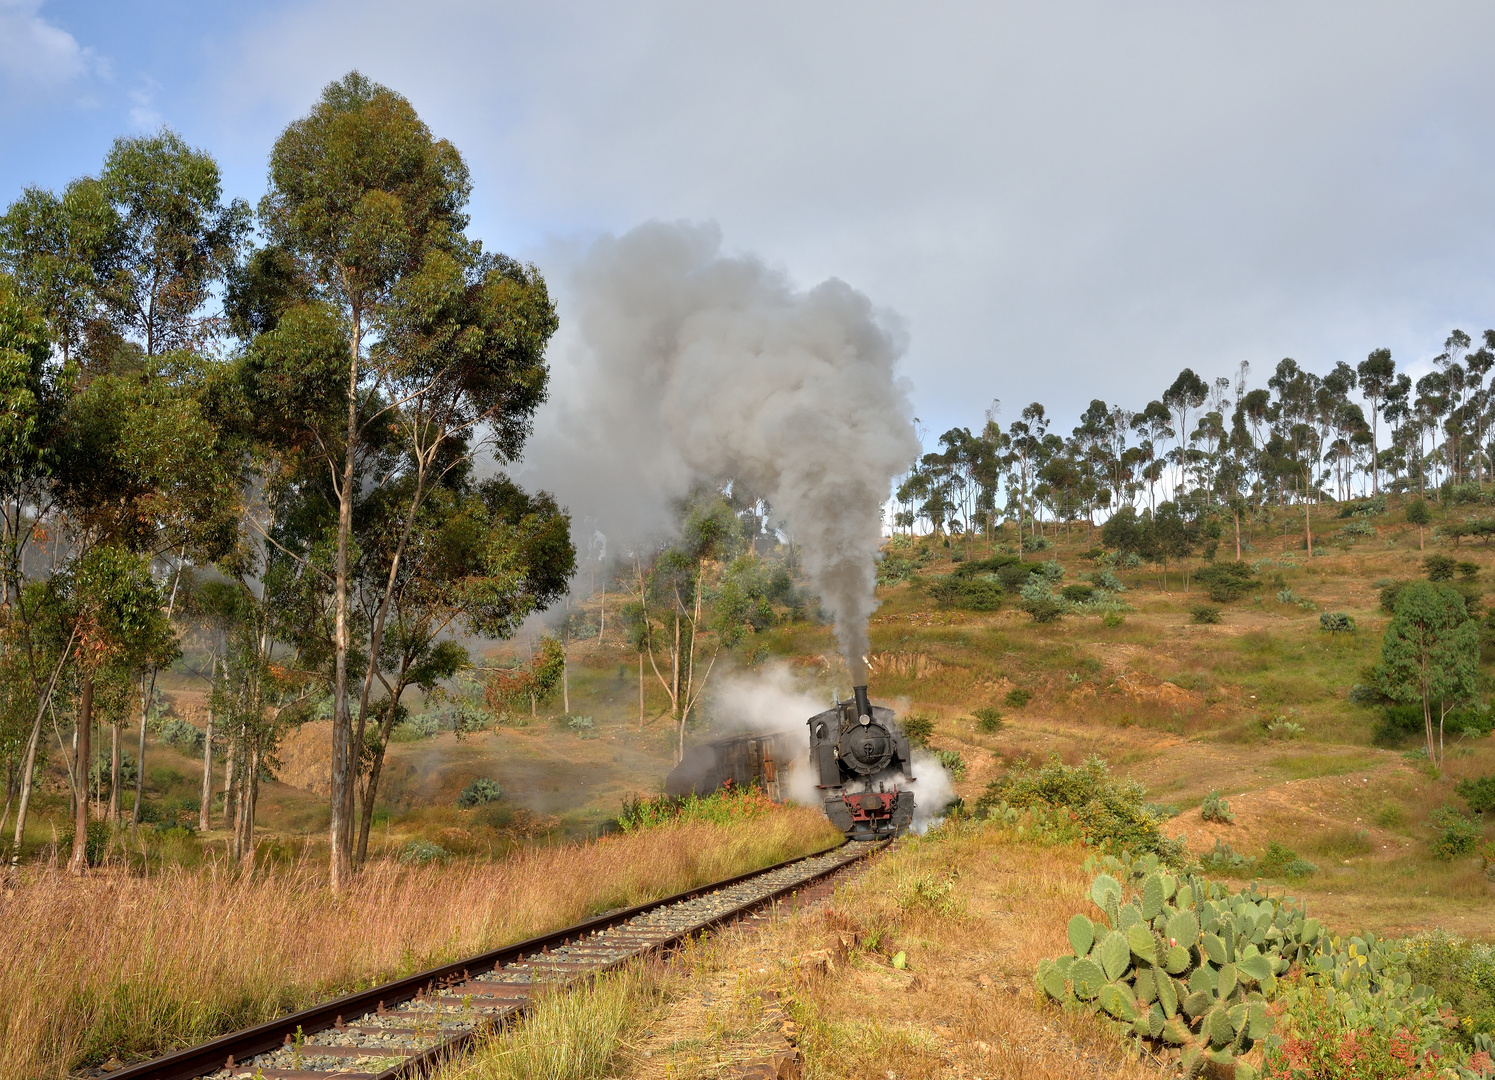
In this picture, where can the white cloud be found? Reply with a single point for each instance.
(1065, 200)
(36, 54)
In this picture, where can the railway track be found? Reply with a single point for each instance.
(404, 1028)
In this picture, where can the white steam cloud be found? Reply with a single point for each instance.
(691, 366)
(771, 700)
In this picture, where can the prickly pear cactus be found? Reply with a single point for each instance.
(1185, 963)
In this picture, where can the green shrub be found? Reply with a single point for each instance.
(1389, 594)
(1336, 622)
(1358, 528)
(1017, 697)
(1439, 567)
(725, 805)
(415, 728)
(1223, 859)
(1106, 580)
(1215, 808)
(1468, 570)
(1461, 973)
(480, 792)
(997, 564)
(1399, 722)
(918, 728)
(1038, 599)
(181, 735)
(983, 593)
(952, 763)
(894, 569)
(1204, 614)
(1478, 792)
(988, 719)
(1110, 813)
(94, 848)
(584, 726)
(1077, 593)
(1227, 581)
(1112, 619)
(1455, 834)
(1279, 861)
(421, 852)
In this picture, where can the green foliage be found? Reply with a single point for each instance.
(952, 763)
(982, 593)
(726, 805)
(1017, 697)
(480, 792)
(1038, 599)
(1280, 861)
(1223, 859)
(1110, 813)
(988, 719)
(1336, 622)
(1455, 834)
(1112, 619)
(1439, 567)
(1430, 652)
(1280, 727)
(1215, 808)
(1399, 722)
(1418, 513)
(1459, 972)
(181, 735)
(1182, 964)
(582, 726)
(1389, 594)
(421, 852)
(918, 728)
(1227, 581)
(1468, 570)
(1204, 614)
(1478, 793)
(96, 847)
(894, 569)
(1358, 528)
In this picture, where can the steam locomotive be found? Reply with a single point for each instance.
(859, 758)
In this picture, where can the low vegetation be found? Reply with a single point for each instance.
(225, 951)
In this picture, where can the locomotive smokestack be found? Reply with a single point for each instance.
(864, 707)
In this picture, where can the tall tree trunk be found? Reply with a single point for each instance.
(343, 756)
(641, 691)
(565, 680)
(204, 806)
(230, 769)
(78, 864)
(1237, 534)
(114, 771)
(146, 695)
(376, 770)
(1308, 526)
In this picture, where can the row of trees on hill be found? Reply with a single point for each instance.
(1222, 445)
(292, 472)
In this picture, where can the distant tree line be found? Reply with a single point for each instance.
(1219, 448)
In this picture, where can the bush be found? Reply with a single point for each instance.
(1461, 973)
(1439, 567)
(1036, 543)
(1215, 808)
(1077, 593)
(1112, 619)
(93, 849)
(479, 793)
(415, 728)
(983, 593)
(918, 728)
(1389, 594)
(1358, 528)
(1280, 727)
(723, 806)
(1400, 722)
(1227, 581)
(1479, 793)
(583, 726)
(1468, 570)
(1038, 599)
(1204, 614)
(997, 564)
(1456, 834)
(952, 763)
(1110, 813)
(1279, 861)
(1017, 697)
(988, 719)
(1223, 859)
(421, 852)
(1108, 581)
(1336, 622)
(187, 739)
(894, 569)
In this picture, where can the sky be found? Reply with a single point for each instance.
(1056, 201)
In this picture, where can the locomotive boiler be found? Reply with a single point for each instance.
(860, 760)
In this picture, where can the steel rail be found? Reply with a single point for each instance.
(510, 999)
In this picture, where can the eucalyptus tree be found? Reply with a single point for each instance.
(1377, 376)
(442, 345)
(1187, 393)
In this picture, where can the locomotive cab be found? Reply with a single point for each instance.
(860, 760)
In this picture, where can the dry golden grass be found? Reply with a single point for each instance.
(118, 965)
(972, 912)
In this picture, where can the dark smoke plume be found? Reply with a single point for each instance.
(693, 365)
